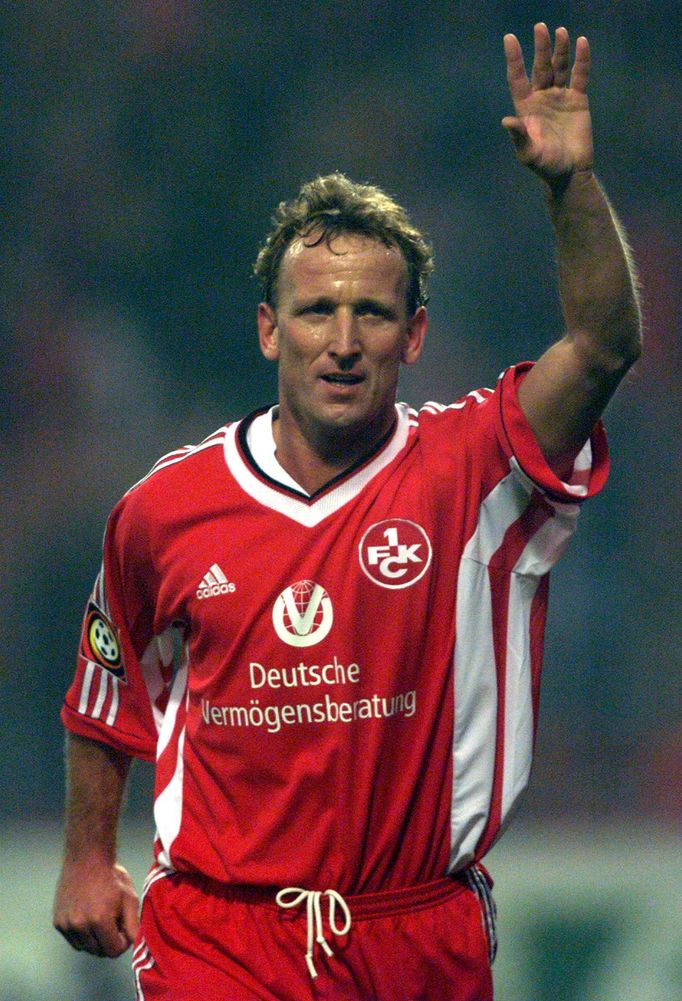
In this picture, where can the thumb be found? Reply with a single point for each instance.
(518, 133)
(129, 921)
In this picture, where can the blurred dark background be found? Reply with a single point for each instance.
(147, 143)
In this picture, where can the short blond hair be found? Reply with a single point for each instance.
(331, 205)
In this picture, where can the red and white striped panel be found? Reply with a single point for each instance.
(519, 536)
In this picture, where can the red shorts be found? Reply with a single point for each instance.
(202, 941)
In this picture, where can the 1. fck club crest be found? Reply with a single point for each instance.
(395, 553)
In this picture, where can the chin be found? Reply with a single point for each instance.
(346, 420)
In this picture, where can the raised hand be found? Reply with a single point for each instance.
(551, 129)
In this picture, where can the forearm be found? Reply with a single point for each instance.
(96, 779)
(596, 276)
(95, 905)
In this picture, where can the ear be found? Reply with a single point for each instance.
(416, 332)
(268, 333)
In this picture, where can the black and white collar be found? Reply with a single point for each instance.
(250, 457)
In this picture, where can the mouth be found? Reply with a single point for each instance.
(342, 379)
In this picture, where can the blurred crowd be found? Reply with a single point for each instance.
(147, 143)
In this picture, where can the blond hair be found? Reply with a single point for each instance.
(330, 205)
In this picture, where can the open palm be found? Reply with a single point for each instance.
(552, 129)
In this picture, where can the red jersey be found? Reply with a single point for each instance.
(338, 690)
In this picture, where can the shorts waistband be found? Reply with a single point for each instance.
(409, 898)
(362, 905)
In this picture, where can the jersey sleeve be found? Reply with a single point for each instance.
(510, 510)
(590, 468)
(123, 670)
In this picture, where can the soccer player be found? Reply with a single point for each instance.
(324, 623)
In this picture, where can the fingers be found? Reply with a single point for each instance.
(519, 84)
(550, 68)
(98, 940)
(96, 910)
(100, 936)
(560, 57)
(581, 67)
(543, 74)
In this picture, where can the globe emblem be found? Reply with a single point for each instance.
(302, 593)
(302, 614)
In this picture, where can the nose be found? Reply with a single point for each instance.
(344, 344)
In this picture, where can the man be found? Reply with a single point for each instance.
(325, 622)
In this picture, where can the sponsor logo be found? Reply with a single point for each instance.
(395, 553)
(214, 583)
(100, 643)
(302, 614)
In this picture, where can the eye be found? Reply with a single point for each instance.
(375, 310)
(316, 309)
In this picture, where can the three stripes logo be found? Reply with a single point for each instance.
(480, 882)
(214, 583)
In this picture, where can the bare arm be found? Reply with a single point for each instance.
(567, 390)
(95, 904)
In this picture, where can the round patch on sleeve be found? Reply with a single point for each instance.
(100, 642)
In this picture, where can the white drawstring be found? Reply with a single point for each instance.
(313, 899)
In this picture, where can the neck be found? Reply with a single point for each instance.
(313, 459)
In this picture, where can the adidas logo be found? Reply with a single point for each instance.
(214, 583)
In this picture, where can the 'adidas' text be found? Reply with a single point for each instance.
(214, 583)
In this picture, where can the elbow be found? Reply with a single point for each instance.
(609, 338)
(611, 357)
(626, 337)
(623, 357)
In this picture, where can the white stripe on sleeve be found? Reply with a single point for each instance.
(113, 707)
(85, 688)
(101, 694)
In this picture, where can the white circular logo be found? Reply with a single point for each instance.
(302, 615)
(395, 553)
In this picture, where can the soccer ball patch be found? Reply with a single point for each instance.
(100, 642)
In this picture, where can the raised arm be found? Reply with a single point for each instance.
(567, 390)
(95, 904)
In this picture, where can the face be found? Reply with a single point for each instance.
(339, 332)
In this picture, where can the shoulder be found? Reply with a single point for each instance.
(455, 412)
(177, 479)
(490, 427)
(181, 464)
(467, 439)
(479, 407)
(458, 421)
